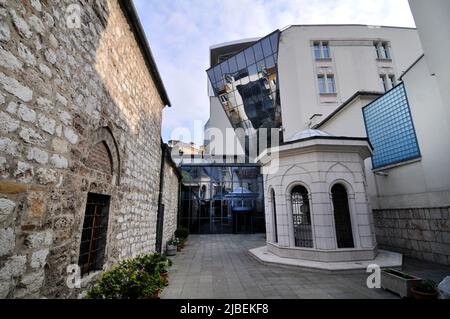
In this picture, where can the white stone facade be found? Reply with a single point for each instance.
(317, 164)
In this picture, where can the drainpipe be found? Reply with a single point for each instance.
(161, 189)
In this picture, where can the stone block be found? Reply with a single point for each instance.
(17, 89)
(7, 241)
(39, 258)
(9, 61)
(6, 209)
(40, 239)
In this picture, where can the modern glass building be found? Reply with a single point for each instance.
(222, 199)
(247, 87)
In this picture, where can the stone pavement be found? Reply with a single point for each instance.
(219, 266)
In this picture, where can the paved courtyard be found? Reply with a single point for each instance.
(219, 266)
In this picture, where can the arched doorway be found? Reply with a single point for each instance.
(301, 215)
(274, 219)
(342, 220)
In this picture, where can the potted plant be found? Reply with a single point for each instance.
(172, 244)
(426, 290)
(182, 233)
(398, 282)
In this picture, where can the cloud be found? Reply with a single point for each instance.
(180, 33)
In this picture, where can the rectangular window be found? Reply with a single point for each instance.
(331, 86)
(317, 52)
(392, 81)
(386, 51)
(390, 129)
(94, 233)
(326, 84)
(321, 50)
(382, 50)
(325, 50)
(384, 83)
(322, 88)
(377, 50)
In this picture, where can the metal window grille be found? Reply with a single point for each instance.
(94, 233)
(301, 217)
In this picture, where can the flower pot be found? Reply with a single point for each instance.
(171, 250)
(398, 282)
(156, 294)
(419, 295)
(165, 278)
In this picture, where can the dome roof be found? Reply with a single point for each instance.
(307, 134)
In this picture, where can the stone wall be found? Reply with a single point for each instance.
(170, 201)
(417, 233)
(63, 91)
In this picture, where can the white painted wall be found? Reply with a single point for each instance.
(354, 65)
(432, 18)
(419, 184)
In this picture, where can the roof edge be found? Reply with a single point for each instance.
(345, 104)
(130, 12)
(411, 67)
(348, 25)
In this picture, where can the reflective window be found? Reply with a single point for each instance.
(325, 50)
(317, 52)
(322, 88)
(301, 216)
(321, 50)
(331, 86)
(390, 128)
(251, 77)
(222, 199)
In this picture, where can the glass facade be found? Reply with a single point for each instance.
(222, 199)
(247, 86)
(390, 128)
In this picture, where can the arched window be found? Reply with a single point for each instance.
(301, 216)
(342, 221)
(274, 214)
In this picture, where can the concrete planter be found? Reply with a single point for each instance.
(171, 250)
(398, 282)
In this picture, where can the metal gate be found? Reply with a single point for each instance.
(301, 217)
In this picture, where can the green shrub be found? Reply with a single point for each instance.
(182, 233)
(132, 279)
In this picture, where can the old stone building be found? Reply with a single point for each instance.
(81, 105)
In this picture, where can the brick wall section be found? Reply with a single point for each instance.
(170, 201)
(418, 233)
(58, 88)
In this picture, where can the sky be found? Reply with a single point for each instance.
(180, 33)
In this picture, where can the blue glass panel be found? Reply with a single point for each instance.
(241, 61)
(259, 55)
(211, 76)
(267, 49)
(390, 129)
(233, 65)
(249, 56)
(224, 67)
(274, 42)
